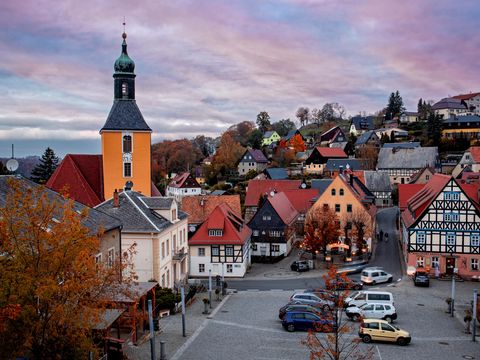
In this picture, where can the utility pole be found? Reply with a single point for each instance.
(210, 287)
(474, 312)
(453, 293)
(182, 292)
(152, 331)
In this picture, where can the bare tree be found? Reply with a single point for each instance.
(303, 115)
(338, 344)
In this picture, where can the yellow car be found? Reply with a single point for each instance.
(381, 330)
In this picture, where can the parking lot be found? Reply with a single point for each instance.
(247, 327)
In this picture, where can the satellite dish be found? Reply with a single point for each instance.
(303, 186)
(12, 165)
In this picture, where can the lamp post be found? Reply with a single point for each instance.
(474, 313)
(210, 287)
(453, 292)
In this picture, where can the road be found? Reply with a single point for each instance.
(387, 255)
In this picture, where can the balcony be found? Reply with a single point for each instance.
(179, 255)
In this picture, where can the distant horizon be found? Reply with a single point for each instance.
(201, 74)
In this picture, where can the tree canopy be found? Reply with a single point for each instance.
(321, 229)
(50, 285)
(48, 163)
(283, 126)
(395, 105)
(263, 121)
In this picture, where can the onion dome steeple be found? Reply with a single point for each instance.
(124, 64)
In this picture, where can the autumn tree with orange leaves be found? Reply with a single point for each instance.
(297, 143)
(50, 285)
(321, 229)
(338, 343)
(228, 154)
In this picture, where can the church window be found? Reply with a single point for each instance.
(127, 143)
(124, 90)
(127, 169)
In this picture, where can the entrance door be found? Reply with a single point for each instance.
(450, 265)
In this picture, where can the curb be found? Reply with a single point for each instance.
(217, 309)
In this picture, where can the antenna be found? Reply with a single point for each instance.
(124, 23)
(12, 164)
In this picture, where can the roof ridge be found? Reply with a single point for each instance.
(138, 208)
(79, 173)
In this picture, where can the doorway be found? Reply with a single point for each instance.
(450, 265)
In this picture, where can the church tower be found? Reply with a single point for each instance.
(126, 137)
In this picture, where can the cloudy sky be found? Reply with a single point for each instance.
(206, 64)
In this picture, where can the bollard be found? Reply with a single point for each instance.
(163, 356)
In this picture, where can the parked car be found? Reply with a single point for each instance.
(299, 320)
(300, 265)
(380, 330)
(372, 311)
(298, 307)
(372, 276)
(354, 269)
(312, 299)
(359, 298)
(420, 278)
(344, 284)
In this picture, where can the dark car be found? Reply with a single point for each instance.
(300, 265)
(298, 307)
(420, 278)
(300, 320)
(344, 284)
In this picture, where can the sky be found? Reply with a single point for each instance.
(205, 65)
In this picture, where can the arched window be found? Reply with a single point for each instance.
(127, 143)
(333, 192)
(124, 90)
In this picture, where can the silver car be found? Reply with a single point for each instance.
(312, 299)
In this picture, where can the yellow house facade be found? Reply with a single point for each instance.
(344, 195)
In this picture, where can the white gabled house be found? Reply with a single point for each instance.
(221, 245)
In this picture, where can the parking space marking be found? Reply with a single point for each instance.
(250, 327)
(378, 351)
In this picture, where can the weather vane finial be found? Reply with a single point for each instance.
(124, 35)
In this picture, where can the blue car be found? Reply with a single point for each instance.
(299, 320)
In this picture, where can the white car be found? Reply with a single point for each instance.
(372, 276)
(372, 311)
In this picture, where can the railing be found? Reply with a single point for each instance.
(179, 255)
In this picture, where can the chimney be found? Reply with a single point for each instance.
(116, 199)
(351, 179)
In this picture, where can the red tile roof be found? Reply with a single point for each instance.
(179, 181)
(257, 188)
(200, 207)
(360, 191)
(302, 199)
(475, 153)
(82, 176)
(405, 192)
(235, 232)
(466, 96)
(328, 152)
(283, 208)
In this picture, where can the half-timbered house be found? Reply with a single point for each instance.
(441, 227)
(221, 245)
(273, 227)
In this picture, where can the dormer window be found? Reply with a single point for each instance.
(127, 143)
(125, 90)
(215, 232)
(174, 214)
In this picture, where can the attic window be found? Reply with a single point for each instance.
(216, 232)
(174, 214)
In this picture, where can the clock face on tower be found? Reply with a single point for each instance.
(127, 157)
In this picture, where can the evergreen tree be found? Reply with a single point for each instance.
(395, 105)
(420, 106)
(263, 121)
(434, 129)
(48, 163)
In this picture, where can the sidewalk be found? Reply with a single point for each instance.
(171, 329)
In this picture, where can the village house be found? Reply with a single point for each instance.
(159, 232)
(409, 117)
(273, 228)
(471, 159)
(333, 167)
(183, 185)
(334, 137)
(315, 163)
(252, 159)
(423, 176)
(441, 227)
(270, 137)
(378, 182)
(361, 124)
(200, 207)
(448, 107)
(472, 101)
(256, 189)
(368, 138)
(351, 201)
(402, 163)
(465, 127)
(221, 246)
